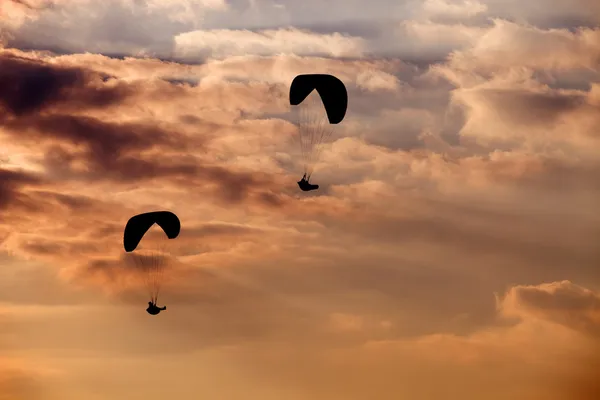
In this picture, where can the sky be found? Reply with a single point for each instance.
(451, 251)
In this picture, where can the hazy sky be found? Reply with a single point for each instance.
(452, 251)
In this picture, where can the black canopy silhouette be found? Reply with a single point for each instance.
(332, 91)
(138, 225)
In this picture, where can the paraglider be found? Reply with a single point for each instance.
(151, 265)
(153, 309)
(306, 186)
(316, 116)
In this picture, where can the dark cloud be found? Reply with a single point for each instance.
(111, 148)
(35, 5)
(30, 86)
(69, 201)
(23, 3)
(547, 174)
(562, 302)
(11, 182)
(43, 248)
(106, 141)
(236, 186)
(560, 296)
(526, 107)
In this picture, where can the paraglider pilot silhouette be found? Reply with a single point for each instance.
(305, 185)
(153, 309)
(135, 230)
(314, 125)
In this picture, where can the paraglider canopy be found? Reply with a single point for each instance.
(138, 225)
(332, 91)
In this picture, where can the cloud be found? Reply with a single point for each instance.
(221, 229)
(30, 86)
(571, 306)
(186, 10)
(466, 8)
(85, 25)
(542, 100)
(10, 187)
(516, 356)
(530, 47)
(17, 12)
(552, 350)
(563, 13)
(441, 38)
(563, 302)
(224, 43)
(121, 151)
(106, 145)
(84, 146)
(545, 112)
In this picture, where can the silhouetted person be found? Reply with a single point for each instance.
(306, 186)
(153, 309)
